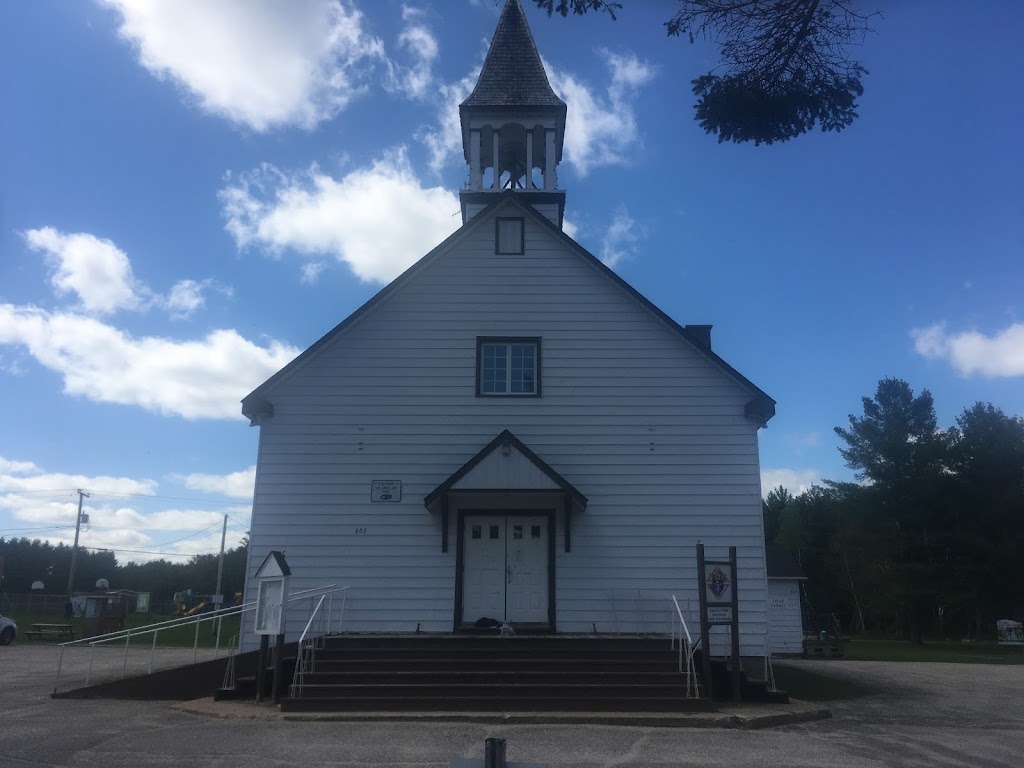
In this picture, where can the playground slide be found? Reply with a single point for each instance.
(197, 609)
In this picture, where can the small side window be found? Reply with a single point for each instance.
(517, 531)
(534, 531)
(476, 532)
(495, 532)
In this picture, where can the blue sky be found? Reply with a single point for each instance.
(192, 193)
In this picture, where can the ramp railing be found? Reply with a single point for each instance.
(681, 639)
(182, 656)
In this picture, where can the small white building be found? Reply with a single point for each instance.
(785, 608)
(509, 431)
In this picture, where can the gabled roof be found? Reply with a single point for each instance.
(274, 564)
(781, 564)
(761, 405)
(513, 75)
(514, 443)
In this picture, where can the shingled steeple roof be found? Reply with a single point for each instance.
(513, 75)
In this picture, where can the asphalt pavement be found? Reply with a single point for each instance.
(930, 715)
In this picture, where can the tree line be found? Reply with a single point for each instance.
(930, 539)
(25, 561)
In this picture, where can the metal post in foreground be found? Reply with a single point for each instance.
(494, 753)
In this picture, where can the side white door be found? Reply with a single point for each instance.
(483, 569)
(526, 597)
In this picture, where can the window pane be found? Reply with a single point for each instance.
(517, 531)
(476, 531)
(523, 364)
(534, 531)
(494, 369)
(494, 531)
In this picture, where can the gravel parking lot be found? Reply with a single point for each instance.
(929, 715)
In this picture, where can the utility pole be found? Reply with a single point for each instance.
(220, 574)
(220, 563)
(74, 549)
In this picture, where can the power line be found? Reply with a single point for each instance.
(237, 502)
(164, 544)
(150, 552)
(124, 494)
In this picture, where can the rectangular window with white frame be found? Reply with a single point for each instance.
(507, 366)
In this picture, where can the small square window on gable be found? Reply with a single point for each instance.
(507, 367)
(508, 236)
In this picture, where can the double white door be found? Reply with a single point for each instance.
(505, 568)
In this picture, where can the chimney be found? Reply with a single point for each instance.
(700, 333)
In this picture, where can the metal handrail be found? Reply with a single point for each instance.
(769, 671)
(229, 668)
(300, 661)
(686, 653)
(306, 650)
(128, 634)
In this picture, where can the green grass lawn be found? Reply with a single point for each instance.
(182, 637)
(965, 653)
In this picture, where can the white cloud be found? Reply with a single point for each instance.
(12, 481)
(100, 274)
(11, 467)
(123, 513)
(796, 481)
(309, 273)
(237, 485)
(1000, 355)
(204, 378)
(95, 269)
(185, 297)
(621, 239)
(378, 219)
(600, 130)
(418, 41)
(261, 63)
(444, 141)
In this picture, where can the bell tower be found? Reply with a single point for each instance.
(513, 125)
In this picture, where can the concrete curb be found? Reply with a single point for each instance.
(752, 717)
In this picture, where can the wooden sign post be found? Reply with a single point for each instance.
(719, 605)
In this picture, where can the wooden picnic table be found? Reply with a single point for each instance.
(51, 632)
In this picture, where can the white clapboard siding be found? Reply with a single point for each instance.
(633, 415)
(785, 619)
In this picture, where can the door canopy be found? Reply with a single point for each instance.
(505, 464)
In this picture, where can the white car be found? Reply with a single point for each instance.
(8, 630)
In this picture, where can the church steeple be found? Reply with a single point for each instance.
(513, 124)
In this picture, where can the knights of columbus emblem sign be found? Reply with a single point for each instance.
(718, 582)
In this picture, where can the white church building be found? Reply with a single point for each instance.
(509, 432)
